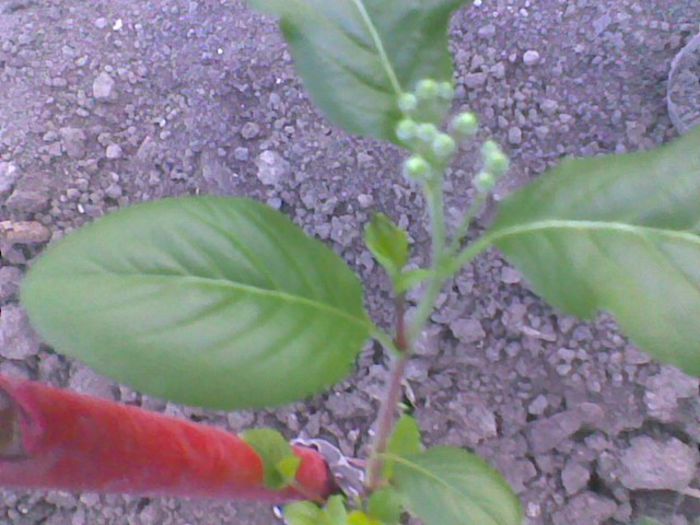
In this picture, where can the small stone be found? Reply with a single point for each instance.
(587, 508)
(103, 87)
(9, 173)
(250, 130)
(487, 31)
(467, 330)
(9, 282)
(113, 152)
(574, 477)
(73, 142)
(84, 381)
(475, 80)
(114, 191)
(364, 200)
(531, 57)
(428, 342)
(28, 199)
(272, 168)
(654, 465)
(17, 339)
(23, 232)
(549, 106)
(510, 275)
(546, 434)
(515, 135)
(538, 405)
(241, 154)
(665, 389)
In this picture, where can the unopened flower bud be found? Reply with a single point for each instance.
(445, 91)
(427, 132)
(416, 168)
(495, 161)
(427, 89)
(443, 146)
(408, 103)
(484, 182)
(465, 124)
(406, 130)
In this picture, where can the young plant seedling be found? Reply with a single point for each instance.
(225, 303)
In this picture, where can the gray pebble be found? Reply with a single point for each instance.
(73, 142)
(250, 130)
(655, 465)
(103, 87)
(9, 173)
(17, 339)
(515, 135)
(531, 58)
(113, 151)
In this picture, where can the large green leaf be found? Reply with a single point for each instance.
(450, 486)
(357, 56)
(217, 302)
(621, 234)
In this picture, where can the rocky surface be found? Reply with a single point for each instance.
(112, 102)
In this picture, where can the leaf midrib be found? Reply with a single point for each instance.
(379, 45)
(252, 290)
(455, 492)
(583, 225)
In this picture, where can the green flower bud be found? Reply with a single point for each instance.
(445, 91)
(427, 89)
(495, 161)
(443, 146)
(465, 124)
(406, 130)
(408, 103)
(416, 168)
(427, 132)
(484, 182)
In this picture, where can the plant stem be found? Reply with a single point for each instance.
(386, 421)
(474, 209)
(436, 208)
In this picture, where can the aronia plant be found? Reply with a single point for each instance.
(225, 303)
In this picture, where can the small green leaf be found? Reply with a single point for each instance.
(619, 233)
(279, 461)
(335, 511)
(288, 467)
(406, 438)
(216, 302)
(404, 441)
(302, 513)
(449, 486)
(388, 243)
(386, 505)
(359, 57)
(357, 517)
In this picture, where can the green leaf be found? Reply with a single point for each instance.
(335, 512)
(302, 513)
(207, 301)
(357, 56)
(621, 234)
(449, 486)
(405, 439)
(388, 243)
(279, 461)
(386, 505)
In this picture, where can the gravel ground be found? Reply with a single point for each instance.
(107, 103)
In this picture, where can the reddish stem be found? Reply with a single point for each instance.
(55, 439)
